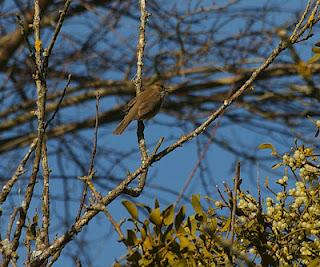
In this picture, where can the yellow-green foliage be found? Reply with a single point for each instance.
(282, 230)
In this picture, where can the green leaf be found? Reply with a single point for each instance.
(35, 219)
(168, 215)
(155, 217)
(316, 50)
(144, 206)
(268, 146)
(180, 263)
(156, 203)
(179, 217)
(186, 243)
(192, 225)
(275, 166)
(226, 227)
(171, 257)
(314, 263)
(212, 225)
(167, 236)
(131, 208)
(145, 261)
(147, 243)
(199, 217)
(195, 202)
(31, 233)
(134, 257)
(131, 238)
(143, 233)
(314, 58)
(116, 264)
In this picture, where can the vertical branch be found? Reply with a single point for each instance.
(41, 103)
(141, 45)
(138, 82)
(259, 191)
(41, 70)
(44, 236)
(234, 201)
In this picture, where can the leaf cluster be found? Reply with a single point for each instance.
(281, 230)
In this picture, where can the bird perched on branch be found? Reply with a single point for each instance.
(144, 106)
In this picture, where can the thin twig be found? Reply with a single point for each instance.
(234, 252)
(6, 189)
(116, 226)
(156, 148)
(135, 192)
(222, 197)
(309, 24)
(303, 16)
(95, 138)
(48, 50)
(93, 154)
(11, 221)
(25, 36)
(259, 190)
(59, 102)
(197, 165)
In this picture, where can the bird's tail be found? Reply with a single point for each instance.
(122, 125)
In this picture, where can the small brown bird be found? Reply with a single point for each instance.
(144, 106)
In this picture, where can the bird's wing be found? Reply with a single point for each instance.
(130, 104)
(148, 109)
